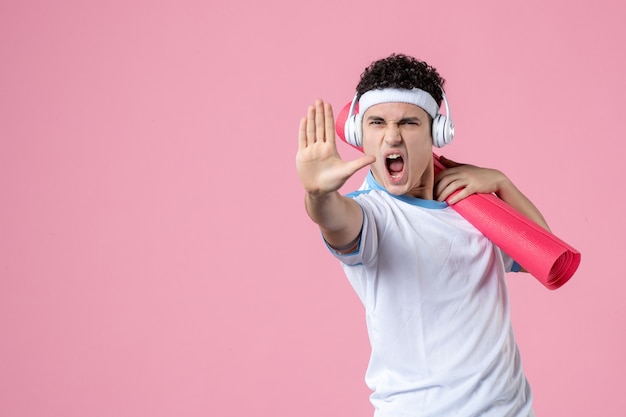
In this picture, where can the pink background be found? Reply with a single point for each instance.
(155, 257)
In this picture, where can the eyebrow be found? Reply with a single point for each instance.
(403, 120)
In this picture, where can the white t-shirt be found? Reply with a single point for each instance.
(437, 311)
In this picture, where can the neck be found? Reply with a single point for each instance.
(424, 188)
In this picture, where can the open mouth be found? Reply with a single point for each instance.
(395, 165)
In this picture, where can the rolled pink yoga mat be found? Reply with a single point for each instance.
(542, 254)
(545, 256)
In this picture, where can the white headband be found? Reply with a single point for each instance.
(415, 96)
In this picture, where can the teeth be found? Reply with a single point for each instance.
(393, 156)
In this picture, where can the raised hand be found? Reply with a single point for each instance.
(320, 168)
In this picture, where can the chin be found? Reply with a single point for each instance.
(395, 188)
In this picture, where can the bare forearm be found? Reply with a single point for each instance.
(338, 217)
(511, 195)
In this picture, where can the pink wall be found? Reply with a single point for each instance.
(155, 257)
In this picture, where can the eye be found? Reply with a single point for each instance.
(376, 122)
(410, 124)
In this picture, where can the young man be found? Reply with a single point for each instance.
(433, 287)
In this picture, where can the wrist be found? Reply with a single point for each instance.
(317, 194)
(503, 184)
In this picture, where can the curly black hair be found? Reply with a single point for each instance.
(401, 71)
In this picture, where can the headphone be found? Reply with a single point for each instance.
(442, 128)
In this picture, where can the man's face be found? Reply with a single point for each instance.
(398, 135)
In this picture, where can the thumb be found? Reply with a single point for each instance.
(359, 163)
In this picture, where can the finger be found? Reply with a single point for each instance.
(448, 187)
(445, 178)
(455, 198)
(441, 193)
(320, 126)
(330, 123)
(302, 133)
(445, 194)
(310, 126)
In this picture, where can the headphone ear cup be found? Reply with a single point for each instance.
(353, 136)
(352, 129)
(345, 126)
(442, 131)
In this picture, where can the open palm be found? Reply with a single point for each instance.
(320, 168)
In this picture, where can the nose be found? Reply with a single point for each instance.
(392, 134)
